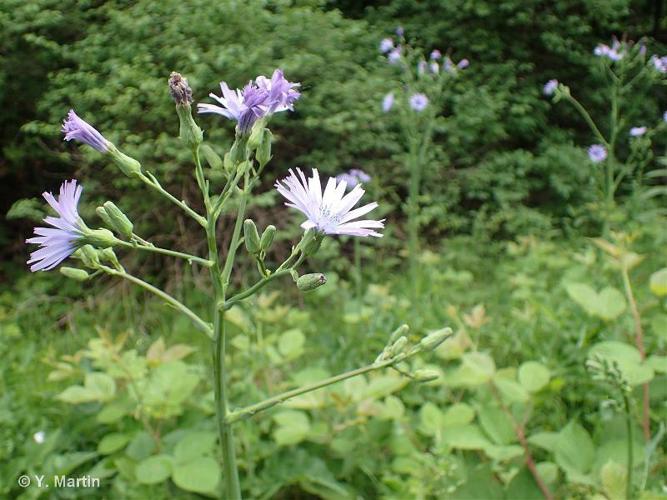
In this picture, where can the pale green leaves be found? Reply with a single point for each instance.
(627, 358)
(608, 304)
(658, 282)
(97, 387)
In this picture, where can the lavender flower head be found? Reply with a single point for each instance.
(353, 177)
(394, 56)
(388, 102)
(637, 131)
(613, 53)
(329, 212)
(550, 87)
(386, 45)
(421, 67)
(418, 102)
(60, 241)
(436, 54)
(82, 131)
(400, 31)
(463, 64)
(597, 153)
(258, 99)
(434, 67)
(664, 116)
(659, 63)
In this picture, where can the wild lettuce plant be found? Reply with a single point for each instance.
(622, 149)
(328, 211)
(417, 103)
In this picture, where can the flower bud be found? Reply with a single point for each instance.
(237, 153)
(189, 132)
(104, 216)
(129, 166)
(118, 220)
(256, 134)
(251, 237)
(267, 238)
(399, 332)
(109, 256)
(179, 89)
(426, 375)
(434, 339)
(398, 347)
(74, 273)
(263, 154)
(100, 238)
(88, 256)
(309, 282)
(311, 242)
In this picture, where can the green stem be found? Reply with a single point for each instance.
(251, 410)
(151, 181)
(203, 326)
(233, 246)
(629, 436)
(165, 251)
(587, 117)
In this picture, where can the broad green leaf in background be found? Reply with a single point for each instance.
(613, 477)
(195, 444)
(608, 304)
(293, 427)
(201, 475)
(496, 424)
(574, 451)
(533, 376)
(290, 344)
(658, 282)
(627, 357)
(154, 469)
(112, 442)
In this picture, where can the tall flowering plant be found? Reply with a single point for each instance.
(328, 208)
(416, 102)
(621, 149)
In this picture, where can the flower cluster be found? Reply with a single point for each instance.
(394, 52)
(417, 102)
(597, 153)
(60, 241)
(353, 177)
(328, 212)
(256, 100)
(659, 63)
(614, 53)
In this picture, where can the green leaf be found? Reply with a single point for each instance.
(112, 442)
(458, 414)
(523, 486)
(496, 424)
(465, 437)
(167, 388)
(431, 419)
(574, 450)
(141, 446)
(384, 385)
(113, 412)
(201, 475)
(659, 325)
(504, 453)
(476, 368)
(548, 472)
(533, 376)
(293, 427)
(195, 444)
(510, 390)
(657, 363)
(154, 469)
(658, 282)
(97, 387)
(608, 304)
(613, 477)
(290, 344)
(546, 440)
(628, 359)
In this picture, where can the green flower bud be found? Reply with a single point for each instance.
(188, 131)
(251, 237)
(311, 242)
(129, 166)
(426, 375)
(100, 238)
(104, 216)
(267, 238)
(263, 154)
(398, 347)
(119, 221)
(237, 153)
(309, 282)
(434, 339)
(256, 134)
(399, 332)
(88, 256)
(74, 273)
(108, 255)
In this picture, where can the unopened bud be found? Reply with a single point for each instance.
(311, 242)
(118, 220)
(256, 134)
(263, 153)
(398, 347)
(434, 339)
(88, 256)
(251, 237)
(311, 281)
(179, 89)
(400, 331)
(237, 153)
(100, 238)
(188, 131)
(74, 273)
(267, 238)
(426, 375)
(108, 255)
(104, 216)
(129, 166)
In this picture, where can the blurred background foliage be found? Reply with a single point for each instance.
(503, 212)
